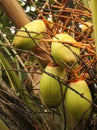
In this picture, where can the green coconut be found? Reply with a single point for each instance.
(50, 88)
(62, 54)
(36, 31)
(77, 107)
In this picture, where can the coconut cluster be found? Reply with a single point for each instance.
(52, 90)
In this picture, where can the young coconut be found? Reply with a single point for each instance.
(22, 40)
(77, 107)
(50, 88)
(60, 52)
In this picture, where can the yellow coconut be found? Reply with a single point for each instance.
(29, 36)
(61, 53)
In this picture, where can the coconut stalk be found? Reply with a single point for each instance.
(15, 13)
(93, 7)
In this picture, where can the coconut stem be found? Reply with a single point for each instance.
(14, 12)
